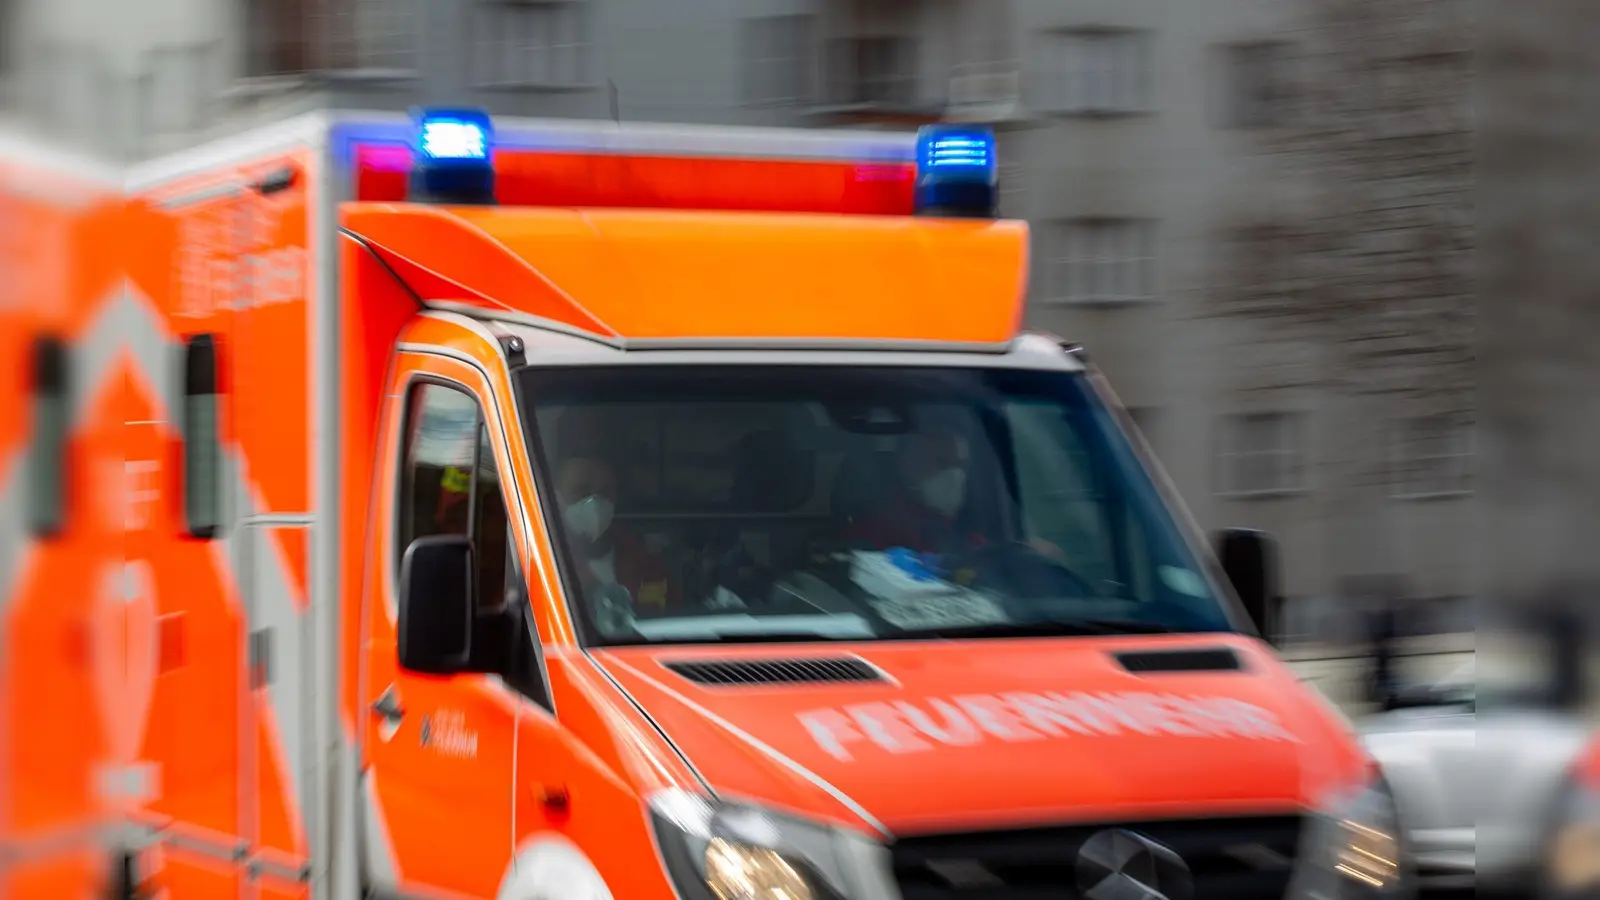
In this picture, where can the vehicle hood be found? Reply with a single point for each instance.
(969, 734)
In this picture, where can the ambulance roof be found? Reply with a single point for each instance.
(640, 276)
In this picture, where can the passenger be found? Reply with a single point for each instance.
(924, 509)
(924, 512)
(607, 551)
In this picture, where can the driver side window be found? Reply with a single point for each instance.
(450, 484)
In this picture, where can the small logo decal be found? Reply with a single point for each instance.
(445, 732)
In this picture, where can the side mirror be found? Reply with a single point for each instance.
(436, 604)
(1250, 560)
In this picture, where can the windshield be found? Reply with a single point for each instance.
(787, 503)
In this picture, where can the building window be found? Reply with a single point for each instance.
(277, 38)
(779, 59)
(285, 37)
(1263, 453)
(1094, 72)
(1102, 261)
(878, 71)
(1433, 456)
(379, 34)
(531, 45)
(1257, 88)
(1266, 257)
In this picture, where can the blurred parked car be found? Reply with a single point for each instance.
(1477, 790)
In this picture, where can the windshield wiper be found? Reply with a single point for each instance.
(1049, 628)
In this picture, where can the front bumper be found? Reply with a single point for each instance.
(1444, 859)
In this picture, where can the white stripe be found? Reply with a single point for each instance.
(206, 158)
(750, 739)
(292, 779)
(282, 520)
(654, 726)
(479, 312)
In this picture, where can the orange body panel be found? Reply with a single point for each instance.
(655, 275)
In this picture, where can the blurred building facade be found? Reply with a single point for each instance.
(1138, 136)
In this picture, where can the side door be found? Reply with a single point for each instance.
(437, 750)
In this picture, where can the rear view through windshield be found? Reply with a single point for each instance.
(700, 504)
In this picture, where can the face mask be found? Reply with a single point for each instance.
(588, 518)
(944, 492)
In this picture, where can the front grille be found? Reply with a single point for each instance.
(1228, 859)
(775, 671)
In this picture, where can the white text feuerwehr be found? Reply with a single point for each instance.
(904, 726)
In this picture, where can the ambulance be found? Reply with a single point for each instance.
(533, 509)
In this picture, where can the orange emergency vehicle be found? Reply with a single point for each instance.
(553, 510)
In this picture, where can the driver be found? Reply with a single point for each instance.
(607, 551)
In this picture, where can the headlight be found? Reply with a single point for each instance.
(1355, 849)
(725, 851)
(1572, 863)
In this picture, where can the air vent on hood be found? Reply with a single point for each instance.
(776, 671)
(1208, 659)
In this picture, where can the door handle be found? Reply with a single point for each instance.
(388, 706)
(553, 797)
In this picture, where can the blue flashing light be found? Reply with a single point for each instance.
(450, 139)
(454, 156)
(957, 172)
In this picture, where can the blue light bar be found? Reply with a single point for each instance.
(454, 156)
(957, 173)
(449, 139)
(957, 150)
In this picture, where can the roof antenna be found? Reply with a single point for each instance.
(616, 106)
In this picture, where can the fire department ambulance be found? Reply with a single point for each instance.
(549, 510)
